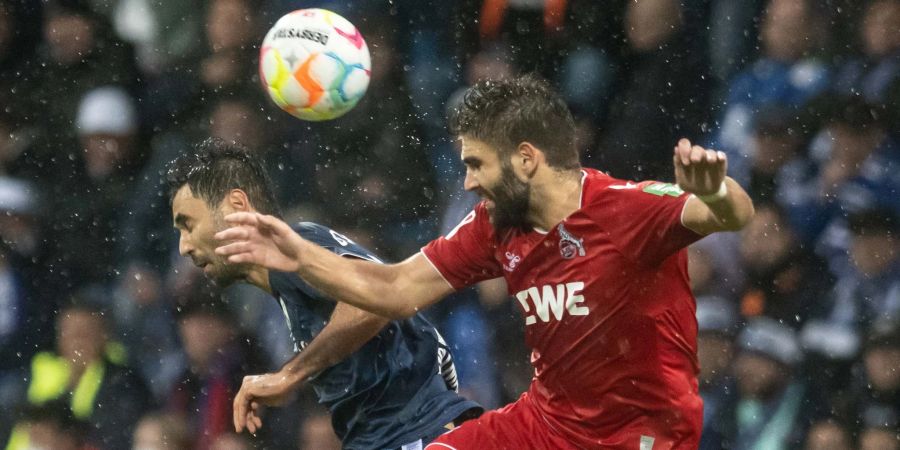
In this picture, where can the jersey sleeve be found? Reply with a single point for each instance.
(334, 241)
(465, 255)
(644, 220)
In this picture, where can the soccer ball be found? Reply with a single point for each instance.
(314, 64)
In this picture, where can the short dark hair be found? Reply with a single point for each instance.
(504, 113)
(214, 167)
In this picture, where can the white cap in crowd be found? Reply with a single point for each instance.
(107, 110)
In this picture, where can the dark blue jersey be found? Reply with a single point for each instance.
(398, 388)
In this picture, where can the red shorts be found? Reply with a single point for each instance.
(516, 426)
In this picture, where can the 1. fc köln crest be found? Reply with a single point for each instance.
(569, 245)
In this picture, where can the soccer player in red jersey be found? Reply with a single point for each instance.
(596, 264)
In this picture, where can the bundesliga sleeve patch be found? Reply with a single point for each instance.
(661, 189)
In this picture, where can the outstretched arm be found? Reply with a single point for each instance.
(719, 203)
(348, 329)
(394, 290)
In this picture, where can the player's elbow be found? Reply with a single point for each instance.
(745, 215)
(742, 216)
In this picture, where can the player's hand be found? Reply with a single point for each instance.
(698, 170)
(258, 391)
(259, 239)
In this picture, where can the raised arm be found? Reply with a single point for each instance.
(393, 291)
(348, 329)
(719, 203)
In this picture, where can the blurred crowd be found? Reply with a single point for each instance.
(110, 340)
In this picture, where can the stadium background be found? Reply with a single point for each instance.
(798, 313)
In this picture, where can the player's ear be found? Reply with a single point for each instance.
(237, 200)
(527, 157)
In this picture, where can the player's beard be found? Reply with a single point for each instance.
(511, 199)
(223, 273)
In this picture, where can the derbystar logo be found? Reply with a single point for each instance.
(552, 301)
(310, 35)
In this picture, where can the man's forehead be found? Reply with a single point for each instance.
(185, 203)
(474, 148)
(183, 193)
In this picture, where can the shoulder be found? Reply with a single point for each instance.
(332, 240)
(477, 220)
(602, 188)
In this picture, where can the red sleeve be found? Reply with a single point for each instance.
(644, 222)
(465, 255)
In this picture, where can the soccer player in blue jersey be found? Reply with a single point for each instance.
(388, 384)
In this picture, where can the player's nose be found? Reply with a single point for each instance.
(184, 247)
(470, 184)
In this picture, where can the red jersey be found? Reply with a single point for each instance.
(609, 314)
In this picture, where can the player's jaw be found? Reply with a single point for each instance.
(221, 273)
(215, 267)
(508, 201)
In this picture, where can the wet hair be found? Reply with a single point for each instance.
(505, 113)
(215, 167)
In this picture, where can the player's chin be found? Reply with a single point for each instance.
(222, 275)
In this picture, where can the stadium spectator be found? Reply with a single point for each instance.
(231, 441)
(228, 66)
(143, 318)
(232, 30)
(20, 31)
(786, 74)
(717, 325)
(79, 52)
(853, 166)
(658, 89)
(779, 137)
(52, 426)
(880, 381)
(828, 435)
(870, 292)
(216, 362)
(732, 35)
(770, 405)
(86, 374)
(160, 431)
(784, 279)
(359, 195)
(880, 428)
(878, 69)
(87, 201)
(26, 298)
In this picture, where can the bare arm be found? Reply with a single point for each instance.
(702, 173)
(348, 329)
(394, 291)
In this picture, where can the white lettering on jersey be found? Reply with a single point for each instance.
(468, 219)
(340, 238)
(549, 298)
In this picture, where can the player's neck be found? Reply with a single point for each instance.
(259, 277)
(554, 197)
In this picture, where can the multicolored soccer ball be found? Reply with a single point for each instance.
(314, 64)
